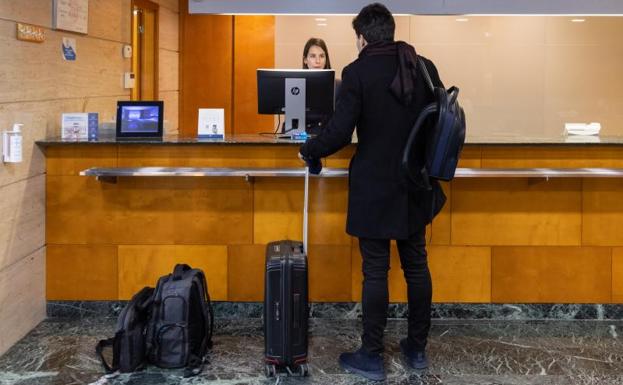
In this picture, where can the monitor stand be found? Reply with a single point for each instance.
(294, 125)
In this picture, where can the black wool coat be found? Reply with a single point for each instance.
(382, 203)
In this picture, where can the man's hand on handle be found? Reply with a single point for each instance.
(315, 165)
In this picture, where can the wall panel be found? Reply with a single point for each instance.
(254, 47)
(206, 63)
(81, 272)
(516, 212)
(141, 265)
(603, 212)
(551, 274)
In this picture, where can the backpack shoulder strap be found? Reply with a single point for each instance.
(424, 71)
(99, 351)
(207, 309)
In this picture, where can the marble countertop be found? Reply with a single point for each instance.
(253, 139)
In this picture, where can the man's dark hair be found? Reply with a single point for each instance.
(375, 23)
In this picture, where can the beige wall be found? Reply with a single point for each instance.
(518, 75)
(36, 85)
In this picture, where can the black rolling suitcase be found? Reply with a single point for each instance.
(286, 305)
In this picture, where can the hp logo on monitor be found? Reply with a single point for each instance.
(295, 91)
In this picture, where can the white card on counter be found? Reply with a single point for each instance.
(211, 123)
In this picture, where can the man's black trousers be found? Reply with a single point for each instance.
(375, 298)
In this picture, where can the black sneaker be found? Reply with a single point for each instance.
(369, 365)
(416, 359)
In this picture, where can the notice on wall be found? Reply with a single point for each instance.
(71, 15)
(69, 48)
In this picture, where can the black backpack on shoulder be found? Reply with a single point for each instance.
(443, 138)
(170, 326)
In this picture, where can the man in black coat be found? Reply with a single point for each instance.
(382, 95)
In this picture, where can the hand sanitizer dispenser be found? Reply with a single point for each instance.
(12, 144)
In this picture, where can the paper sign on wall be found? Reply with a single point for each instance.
(211, 123)
(71, 15)
(69, 48)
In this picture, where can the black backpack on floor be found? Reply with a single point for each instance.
(179, 331)
(170, 326)
(128, 344)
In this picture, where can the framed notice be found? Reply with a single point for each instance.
(71, 15)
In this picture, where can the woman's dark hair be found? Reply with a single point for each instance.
(375, 23)
(314, 41)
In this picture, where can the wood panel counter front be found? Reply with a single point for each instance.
(511, 240)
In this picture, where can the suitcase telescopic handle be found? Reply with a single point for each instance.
(305, 204)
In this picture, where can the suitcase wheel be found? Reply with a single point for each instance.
(304, 370)
(270, 370)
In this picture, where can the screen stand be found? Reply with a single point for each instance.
(295, 107)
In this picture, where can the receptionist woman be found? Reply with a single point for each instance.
(316, 56)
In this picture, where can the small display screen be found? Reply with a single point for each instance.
(139, 119)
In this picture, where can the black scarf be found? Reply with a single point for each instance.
(403, 84)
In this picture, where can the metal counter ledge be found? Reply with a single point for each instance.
(106, 173)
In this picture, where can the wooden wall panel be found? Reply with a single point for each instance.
(254, 47)
(142, 265)
(602, 212)
(96, 72)
(68, 198)
(328, 200)
(617, 275)
(81, 272)
(168, 77)
(209, 156)
(37, 12)
(328, 268)
(460, 274)
(169, 30)
(245, 272)
(439, 232)
(101, 13)
(516, 212)
(22, 219)
(70, 160)
(149, 211)
(211, 211)
(551, 274)
(173, 5)
(22, 298)
(277, 209)
(551, 156)
(471, 156)
(206, 63)
(171, 110)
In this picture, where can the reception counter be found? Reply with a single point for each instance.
(528, 220)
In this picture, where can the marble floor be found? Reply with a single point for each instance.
(61, 351)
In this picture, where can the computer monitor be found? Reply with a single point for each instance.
(295, 92)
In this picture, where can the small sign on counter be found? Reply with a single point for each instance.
(80, 125)
(211, 123)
